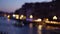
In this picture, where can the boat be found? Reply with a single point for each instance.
(52, 23)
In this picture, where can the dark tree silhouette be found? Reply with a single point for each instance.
(41, 10)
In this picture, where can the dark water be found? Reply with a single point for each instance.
(7, 27)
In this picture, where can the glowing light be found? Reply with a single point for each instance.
(38, 20)
(8, 16)
(17, 16)
(31, 16)
(22, 15)
(40, 27)
(47, 19)
(14, 15)
(52, 22)
(30, 25)
(55, 18)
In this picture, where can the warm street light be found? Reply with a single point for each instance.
(17, 16)
(54, 17)
(47, 19)
(38, 20)
(21, 17)
(31, 16)
(8, 16)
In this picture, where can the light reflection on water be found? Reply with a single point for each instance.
(8, 19)
(30, 25)
(39, 29)
(29, 29)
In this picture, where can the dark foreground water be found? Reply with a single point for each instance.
(7, 27)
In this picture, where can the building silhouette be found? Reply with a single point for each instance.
(40, 10)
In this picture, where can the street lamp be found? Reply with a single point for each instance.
(14, 15)
(22, 17)
(54, 17)
(17, 16)
(31, 16)
(8, 16)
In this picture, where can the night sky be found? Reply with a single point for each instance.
(12, 5)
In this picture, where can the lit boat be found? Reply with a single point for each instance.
(52, 23)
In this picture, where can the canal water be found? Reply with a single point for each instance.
(7, 27)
